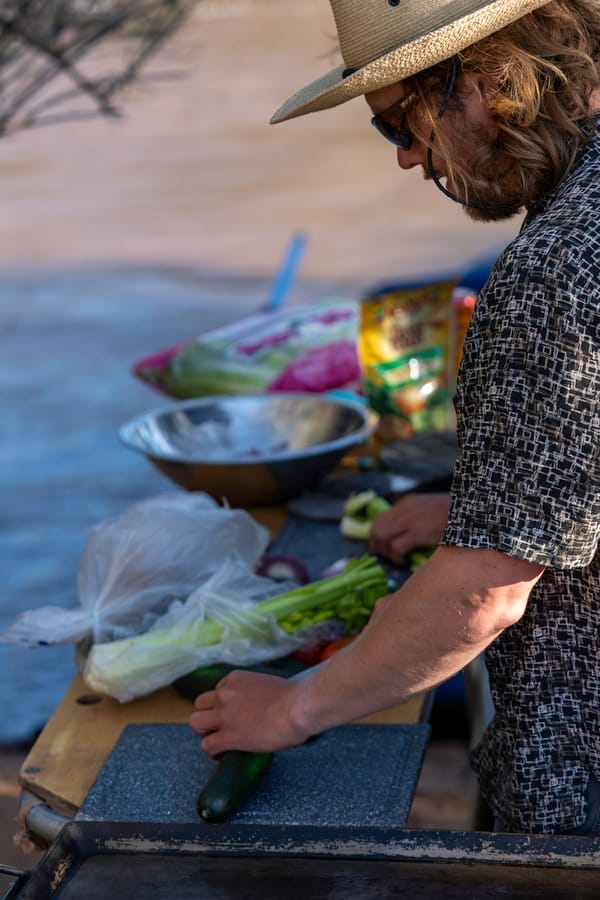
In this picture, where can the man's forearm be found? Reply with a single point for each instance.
(441, 619)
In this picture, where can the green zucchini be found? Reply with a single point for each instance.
(237, 776)
(238, 773)
(200, 680)
(208, 677)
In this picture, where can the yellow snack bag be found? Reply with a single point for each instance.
(403, 351)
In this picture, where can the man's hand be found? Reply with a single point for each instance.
(415, 520)
(247, 711)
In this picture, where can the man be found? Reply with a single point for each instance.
(498, 100)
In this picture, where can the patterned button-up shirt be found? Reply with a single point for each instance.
(527, 483)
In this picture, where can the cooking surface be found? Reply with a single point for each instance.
(94, 860)
(155, 773)
(223, 878)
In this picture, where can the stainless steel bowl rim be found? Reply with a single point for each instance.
(369, 418)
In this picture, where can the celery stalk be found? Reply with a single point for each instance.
(114, 667)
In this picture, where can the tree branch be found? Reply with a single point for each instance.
(42, 41)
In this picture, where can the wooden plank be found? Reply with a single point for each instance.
(407, 713)
(77, 740)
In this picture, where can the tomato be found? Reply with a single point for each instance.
(309, 656)
(332, 647)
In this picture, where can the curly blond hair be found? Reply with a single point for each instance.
(542, 69)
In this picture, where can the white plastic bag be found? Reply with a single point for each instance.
(135, 565)
(165, 587)
(176, 642)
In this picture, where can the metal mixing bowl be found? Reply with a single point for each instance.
(251, 450)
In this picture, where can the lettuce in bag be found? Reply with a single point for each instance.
(309, 348)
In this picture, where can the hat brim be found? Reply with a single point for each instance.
(332, 89)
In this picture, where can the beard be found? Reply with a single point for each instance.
(489, 187)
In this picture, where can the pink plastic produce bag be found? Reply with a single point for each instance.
(310, 348)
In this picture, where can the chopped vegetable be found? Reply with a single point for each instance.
(310, 655)
(349, 597)
(283, 568)
(332, 647)
(360, 510)
(335, 568)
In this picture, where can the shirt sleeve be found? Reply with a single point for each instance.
(527, 481)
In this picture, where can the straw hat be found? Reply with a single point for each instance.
(384, 41)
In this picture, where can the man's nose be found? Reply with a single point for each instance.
(408, 159)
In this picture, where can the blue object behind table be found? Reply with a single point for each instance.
(477, 274)
(286, 275)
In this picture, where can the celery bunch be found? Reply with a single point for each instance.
(349, 597)
(132, 666)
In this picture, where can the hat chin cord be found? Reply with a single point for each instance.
(470, 204)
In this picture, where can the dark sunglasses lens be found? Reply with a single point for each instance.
(399, 137)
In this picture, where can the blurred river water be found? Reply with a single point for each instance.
(120, 237)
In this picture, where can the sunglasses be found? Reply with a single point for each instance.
(397, 134)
